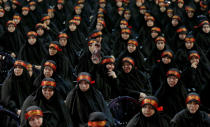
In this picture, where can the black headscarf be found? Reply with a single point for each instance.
(54, 108)
(81, 104)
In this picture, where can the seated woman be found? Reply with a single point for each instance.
(107, 81)
(172, 92)
(48, 70)
(149, 116)
(85, 99)
(133, 82)
(34, 117)
(51, 102)
(191, 116)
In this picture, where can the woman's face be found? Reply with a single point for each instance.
(47, 92)
(72, 27)
(206, 28)
(31, 40)
(154, 34)
(182, 36)
(150, 23)
(18, 70)
(194, 60)
(192, 107)
(166, 60)
(148, 110)
(189, 45)
(52, 51)
(48, 72)
(125, 36)
(119, 3)
(11, 28)
(180, 5)
(131, 48)
(59, 6)
(172, 80)
(1, 14)
(170, 14)
(190, 14)
(99, 26)
(84, 85)
(174, 22)
(40, 31)
(127, 67)
(35, 121)
(160, 45)
(63, 41)
(110, 66)
(25, 12)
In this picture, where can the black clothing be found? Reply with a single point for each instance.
(185, 119)
(171, 98)
(55, 107)
(81, 104)
(133, 83)
(156, 120)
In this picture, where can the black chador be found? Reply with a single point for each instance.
(53, 105)
(32, 51)
(81, 102)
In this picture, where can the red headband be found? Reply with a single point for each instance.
(33, 113)
(192, 97)
(133, 42)
(96, 123)
(108, 60)
(167, 53)
(194, 54)
(48, 83)
(175, 73)
(21, 63)
(51, 65)
(55, 46)
(128, 60)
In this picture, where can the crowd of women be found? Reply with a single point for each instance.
(62, 62)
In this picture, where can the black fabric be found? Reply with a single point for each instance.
(185, 118)
(15, 90)
(108, 86)
(157, 120)
(171, 98)
(81, 104)
(32, 53)
(54, 108)
(133, 83)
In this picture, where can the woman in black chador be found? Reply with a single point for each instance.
(196, 74)
(49, 70)
(85, 99)
(67, 48)
(172, 93)
(51, 102)
(106, 79)
(149, 116)
(121, 42)
(156, 52)
(203, 36)
(133, 82)
(159, 70)
(32, 51)
(12, 39)
(134, 52)
(16, 87)
(191, 116)
(90, 60)
(181, 56)
(64, 68)
(34, 117)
